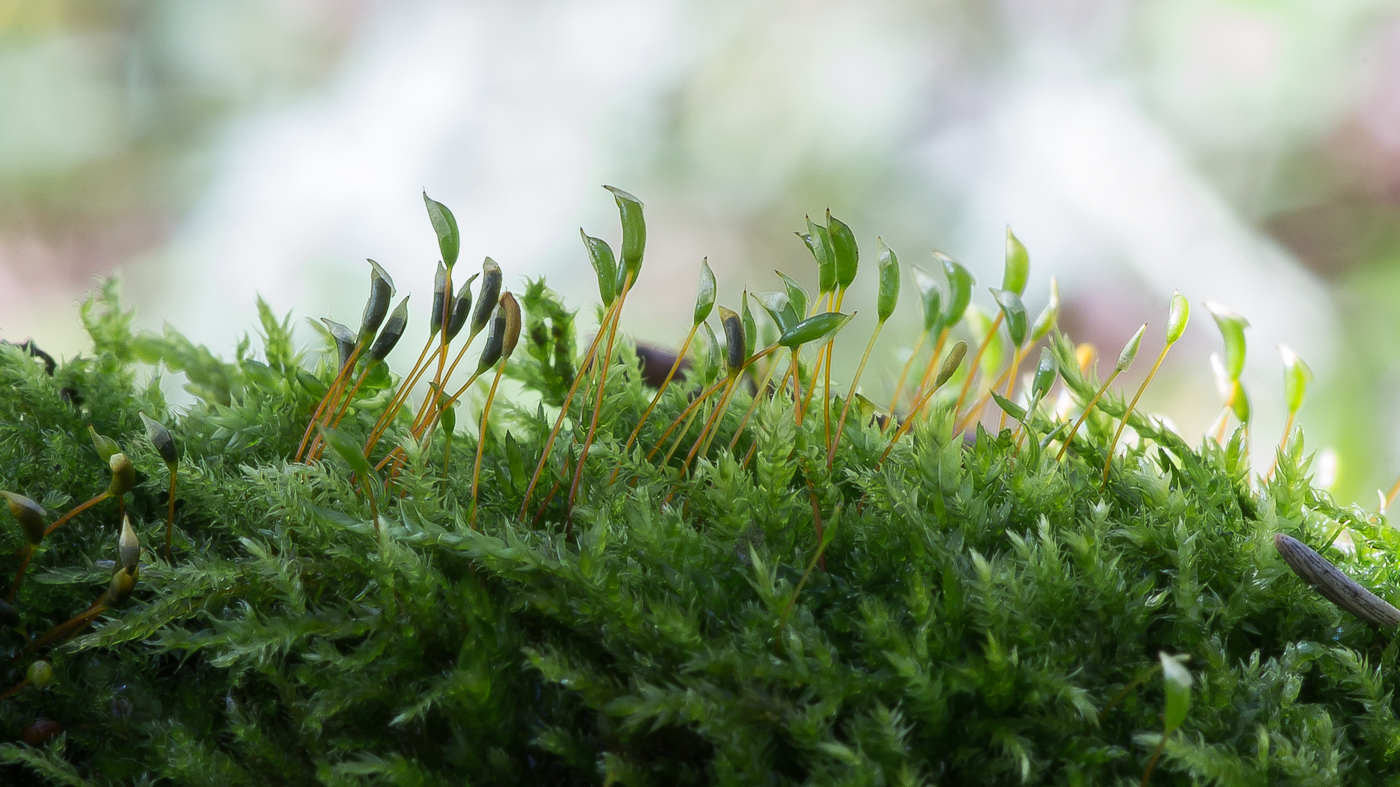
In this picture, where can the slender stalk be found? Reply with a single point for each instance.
(975, 412)
(76, 511)
(977, 359)
(933, 363)
(1010, 376)
(758, 395)
(676, 365)
(598, 400)
(1282, 444)
(19, 575)
(400, 396)
(908, 423)
(481, 439)
(690, 408)
(796, 388)
(904, 373)
(1127, 413)
(564, 408)
(702, 442)
(337, 385)
(1088, 408)
(170, 514)
(851, 395)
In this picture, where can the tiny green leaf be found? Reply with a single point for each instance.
(843, 251)
(960, 284)
(888, 266)
(600, 255)
(1178, 316)
(1012, 409)
(347, 448)
(1046, 321)
(797, 294)
(705, 298)
(1125, 358)
(445, 225)
(1296, 376)
(931, 292)
(1018, 265)
(1015, 313)
(813, 329)
(634, 231)
(1178, 685)
(1232, 328)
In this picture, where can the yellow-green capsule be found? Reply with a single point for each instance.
(29, 514)
(123, 475)
(128, 545)
(161, 439)
(40, 674)
(123, 582)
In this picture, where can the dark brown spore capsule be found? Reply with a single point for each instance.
(511, 309)
(736, 352)
(29, 514)
(344, 340)
(461, 308)
(393, 331)
(495, 342)
(161, 439)
(381, 290)
(439, 299)
(490, 294)
(41, 730)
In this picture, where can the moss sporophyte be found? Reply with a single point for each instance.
(751, 571)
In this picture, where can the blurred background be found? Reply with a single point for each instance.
(1243, 152)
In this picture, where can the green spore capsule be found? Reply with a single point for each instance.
(393, 331)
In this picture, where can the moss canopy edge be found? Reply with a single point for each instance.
(980, 614)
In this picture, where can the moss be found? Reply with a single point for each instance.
(981, 613)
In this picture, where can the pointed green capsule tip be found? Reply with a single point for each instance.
(951, 363)
(1177, 317)
(1232, 328)
(445, 226)
(888, 265)
(1048, 318)
(161, 439)
(750, 326)
(705, 297)
(105, 446)
(779, 308)
(1125, 358)
(1296, 376)
(29, 514)
(1018, 265)
(931, 293)
(1178, 685)
(1239, 403)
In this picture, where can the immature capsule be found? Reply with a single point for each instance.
(1335, 586)
(511, 309)
(736, 354)
(495, 343)
(40, 674)
(123, 582)
(439, 299)
(123, 475)
(29, 514)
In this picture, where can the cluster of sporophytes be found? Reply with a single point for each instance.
(749, 573)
